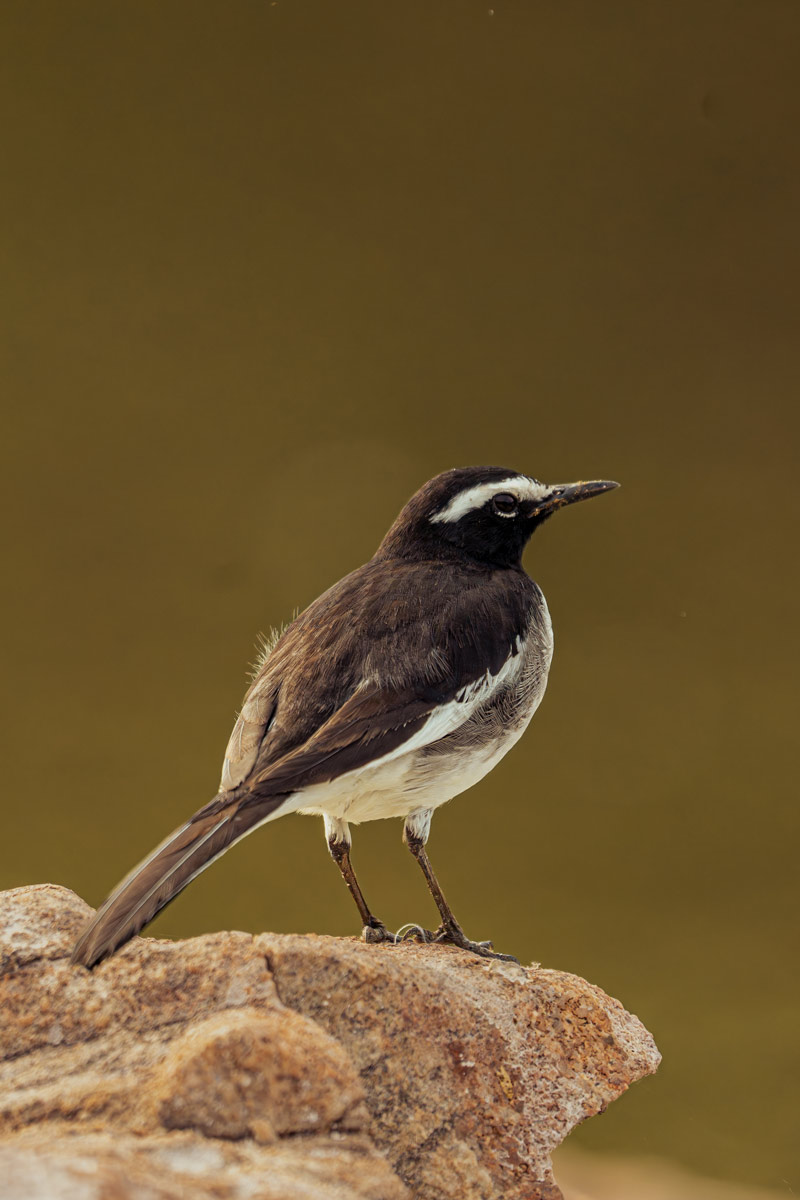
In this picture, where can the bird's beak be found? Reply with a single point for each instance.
(562, 494)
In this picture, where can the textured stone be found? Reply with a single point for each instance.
(499, 1061)
(58, 1165)
(238, 1074)
(305, 1068)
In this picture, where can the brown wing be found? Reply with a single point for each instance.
(370, 654)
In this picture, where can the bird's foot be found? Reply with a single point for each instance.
(452, 934)
(414, 933)
(376, 932)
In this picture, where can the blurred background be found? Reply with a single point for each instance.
(267, 268)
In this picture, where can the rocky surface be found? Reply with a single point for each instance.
(290, 1067)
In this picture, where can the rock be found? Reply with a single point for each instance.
(291, 1067)
(243, 1074)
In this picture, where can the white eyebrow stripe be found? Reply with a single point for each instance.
(475, 497)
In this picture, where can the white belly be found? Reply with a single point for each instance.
(402, 785)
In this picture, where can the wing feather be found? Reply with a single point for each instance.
(372, 669)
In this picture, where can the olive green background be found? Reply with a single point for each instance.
(268, 267)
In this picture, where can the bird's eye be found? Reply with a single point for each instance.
(504, 504)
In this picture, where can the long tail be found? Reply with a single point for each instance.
(164, 873)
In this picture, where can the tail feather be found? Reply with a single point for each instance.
(151, 885)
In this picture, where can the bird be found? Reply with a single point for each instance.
(396, 690)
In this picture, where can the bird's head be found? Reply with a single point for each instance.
(483, 513)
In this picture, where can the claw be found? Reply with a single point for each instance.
(412, 932)
(454, 935)
(374, 934)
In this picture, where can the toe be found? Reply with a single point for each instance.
(414, 933)
(455, 936)
(374, 934)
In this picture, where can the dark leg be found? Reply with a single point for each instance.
(338, 835)
(415, 835)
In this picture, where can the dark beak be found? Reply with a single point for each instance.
(570, 493)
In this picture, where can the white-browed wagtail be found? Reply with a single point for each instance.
(397, 689)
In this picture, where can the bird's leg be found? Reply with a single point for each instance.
(415, 835)
(338, 836)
